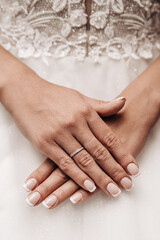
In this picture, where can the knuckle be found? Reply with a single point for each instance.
(42, 139)
(38, 175)
(86, 161)
(102, 180)
(85, 110)
(111, 140)
(71, 123)
(117, 174)
(125, 157)
(44, 189)
(57, 130)
(40, 142)
(100, 154)
(65, 163)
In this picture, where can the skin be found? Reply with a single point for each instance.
(135, 120)
(29, 99)
(24, 101)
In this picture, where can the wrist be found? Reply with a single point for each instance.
(13, 71)
(13, 86)
(152, 77)
(142, 102)
(156, 98)
(10, 68)
(15, 74)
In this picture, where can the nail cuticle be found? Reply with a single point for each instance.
(116, 195)
(29, 203)
(30, 184)
(76, 198)
(133, 169)
(33, 199)
(50, 202)
(113, 189)
(128, 190)
(89, 186)
(137, 175)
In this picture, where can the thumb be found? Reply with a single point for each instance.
(106, 109)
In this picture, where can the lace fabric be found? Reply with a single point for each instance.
(123, 29)
(118, 28)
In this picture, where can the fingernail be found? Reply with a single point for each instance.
(50, 201)
(30, 184)
(76, 198)
(120, 98)
(89, 186)
(133, 170)
(127, 184)
(113, 189)
(33, 198)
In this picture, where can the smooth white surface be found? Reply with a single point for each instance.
(134, 215)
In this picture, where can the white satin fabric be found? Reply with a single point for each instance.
(134, 215)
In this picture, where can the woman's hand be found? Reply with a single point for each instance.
(53, 187)
(58, 121)
(49, 183)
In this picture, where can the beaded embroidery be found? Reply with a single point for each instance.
(124, 28)
(118, 28)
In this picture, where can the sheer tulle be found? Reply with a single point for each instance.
(133, 215)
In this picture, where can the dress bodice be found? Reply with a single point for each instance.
(118, 28)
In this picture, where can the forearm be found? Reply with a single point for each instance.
(14, 76)
(141, 111)
(9, 67)
(143, 95)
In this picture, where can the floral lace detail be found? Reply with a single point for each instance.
(124, 29)
(118, 28)
(45, 28)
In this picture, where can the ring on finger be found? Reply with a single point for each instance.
(75, 152)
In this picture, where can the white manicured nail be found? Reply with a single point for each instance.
(120, 98)
(50, 201)
(127, 184)
(113, 189)
(76, 198)
(89, 186)
(133, 170)
(130, 188)
(30, 184)
(33, 199)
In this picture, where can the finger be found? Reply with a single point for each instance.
(81, 195)
(39, 175)
(66, 164)
(105, 109)
(54, 181)
(113, 144)
(104, 159)
(88, 165)
(61, 194)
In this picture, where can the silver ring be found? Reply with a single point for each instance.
(75, 152)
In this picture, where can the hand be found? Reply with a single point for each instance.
(58, 120)
(55, 187)
(52, 186)
(134, 120)
(49, 179)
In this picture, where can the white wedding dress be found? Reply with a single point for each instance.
(50, 36)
